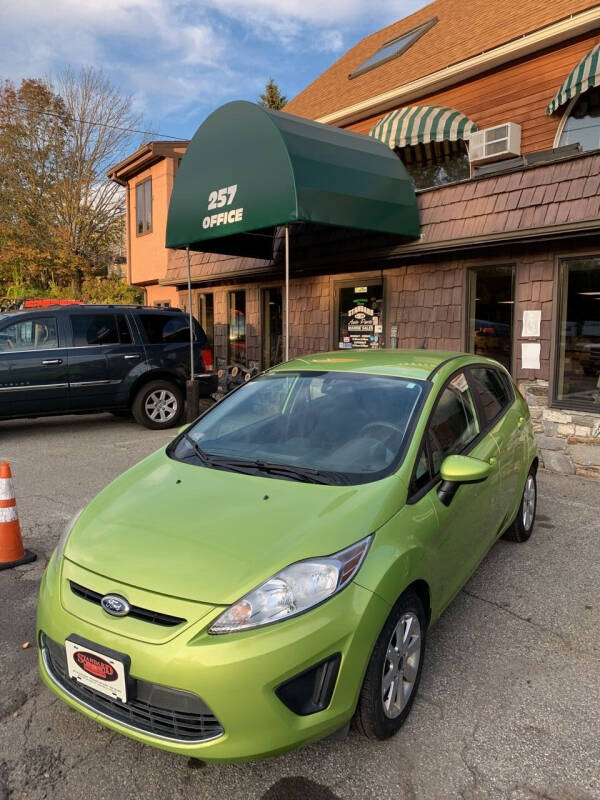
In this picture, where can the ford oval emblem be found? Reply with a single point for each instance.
(115, 605)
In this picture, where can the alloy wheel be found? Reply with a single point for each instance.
(401, 665)
(161, 405)
(529, 503)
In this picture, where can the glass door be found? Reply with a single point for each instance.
(272, 334)
(361, 317)
(491, 304)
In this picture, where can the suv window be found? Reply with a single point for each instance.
(124, 331)
(168, 328)
(492, 391)
(89, 329)
(39, 333)
(454, 422)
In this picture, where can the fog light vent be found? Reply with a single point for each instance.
(310, 691)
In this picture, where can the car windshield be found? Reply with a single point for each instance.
(321, 427)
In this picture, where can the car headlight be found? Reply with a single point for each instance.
(293, 590)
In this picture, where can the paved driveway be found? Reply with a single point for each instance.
(509, 706)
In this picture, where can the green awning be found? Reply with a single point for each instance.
(585, 75)
(248, 170)
(422, 124)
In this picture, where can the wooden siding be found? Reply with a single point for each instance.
(518, 93)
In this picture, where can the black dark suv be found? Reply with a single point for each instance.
(73, 359)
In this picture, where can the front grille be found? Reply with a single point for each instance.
(158, 710)
(156, 617)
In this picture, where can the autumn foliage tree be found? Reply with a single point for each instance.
(61, 219)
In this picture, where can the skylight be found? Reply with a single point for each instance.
(394, 47)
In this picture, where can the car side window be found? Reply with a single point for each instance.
(453, 425)
(491, 390)
(91, 329)
(124, 332)
(39, 333)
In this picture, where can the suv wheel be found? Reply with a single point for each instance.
(394, 671)
(158, 404)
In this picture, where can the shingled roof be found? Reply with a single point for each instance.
(532, 204)
(463, 30)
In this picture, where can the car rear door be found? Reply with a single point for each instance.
(97, 361)
(36, 381)
(126, 359)
(464, 526)
(167, 342)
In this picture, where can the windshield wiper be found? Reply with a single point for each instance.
(305, 474)
(204, 457)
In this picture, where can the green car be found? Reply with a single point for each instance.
(271, 575)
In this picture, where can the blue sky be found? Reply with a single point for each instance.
(180, 60)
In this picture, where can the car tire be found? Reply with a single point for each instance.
(158, 405)
(522, 526)
(389, 688)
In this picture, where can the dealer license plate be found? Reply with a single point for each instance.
(97, 671)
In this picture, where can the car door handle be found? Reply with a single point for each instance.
(129, 356)
(521, 422)
(492, 462)
(51, 361)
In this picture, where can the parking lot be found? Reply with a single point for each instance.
(509, 706)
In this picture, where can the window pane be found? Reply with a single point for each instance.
(361, 317)
(272, 326)
(394, 47)
(436, 163)
(139, 207)
(206, 315)
(32, 334)
(491, 390)
(491, 303)
(422, 472)
(578, 379)
(165, 328)
(454, 423)
(124, 332)
(237, 327)
(91, 329)
(148, 205)
(583, 124)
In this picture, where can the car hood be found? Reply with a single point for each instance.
(209, 535)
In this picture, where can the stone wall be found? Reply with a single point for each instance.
(568, 441)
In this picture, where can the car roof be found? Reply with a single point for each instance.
(417, 364)
(75, 308)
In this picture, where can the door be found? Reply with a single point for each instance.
(360, 317)
(97, 358)
(34, 367)
(464, 526)
(272, 326)
(504, 420)
(491, 305)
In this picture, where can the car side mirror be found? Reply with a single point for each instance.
(457, 470)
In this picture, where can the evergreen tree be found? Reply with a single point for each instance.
(272, 97)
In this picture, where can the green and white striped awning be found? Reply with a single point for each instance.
(422, 124)
(585, 75)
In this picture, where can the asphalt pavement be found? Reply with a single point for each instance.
(509, 705)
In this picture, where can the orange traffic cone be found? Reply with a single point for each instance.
(12, 552)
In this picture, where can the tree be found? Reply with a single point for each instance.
(61, 219)
(272, 97)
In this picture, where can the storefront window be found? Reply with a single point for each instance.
(491, 304)
(206, 316)
(578, 364)
(237, 327)
(361, 317)
(436, 163)
(272, 326)
(583, 121)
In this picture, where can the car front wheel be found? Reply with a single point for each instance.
(158, 404)
(394, 671)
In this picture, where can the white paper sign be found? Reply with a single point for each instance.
(531, 322)
(530, 355)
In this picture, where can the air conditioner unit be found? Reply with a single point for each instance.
(495, 144)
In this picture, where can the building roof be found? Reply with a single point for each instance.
(144, 157)
(556, 199)
(464, 30)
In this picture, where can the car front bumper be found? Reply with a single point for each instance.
(235, 675)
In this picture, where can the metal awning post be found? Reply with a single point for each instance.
(192, 388)
(287, 293)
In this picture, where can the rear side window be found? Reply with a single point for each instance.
(124, 331)
(169, 328)
(492, 392)
(39, 333)
(90, 329)
(454, 423)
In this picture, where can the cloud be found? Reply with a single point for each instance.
(180, 58)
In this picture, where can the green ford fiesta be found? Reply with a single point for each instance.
(272, 574)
